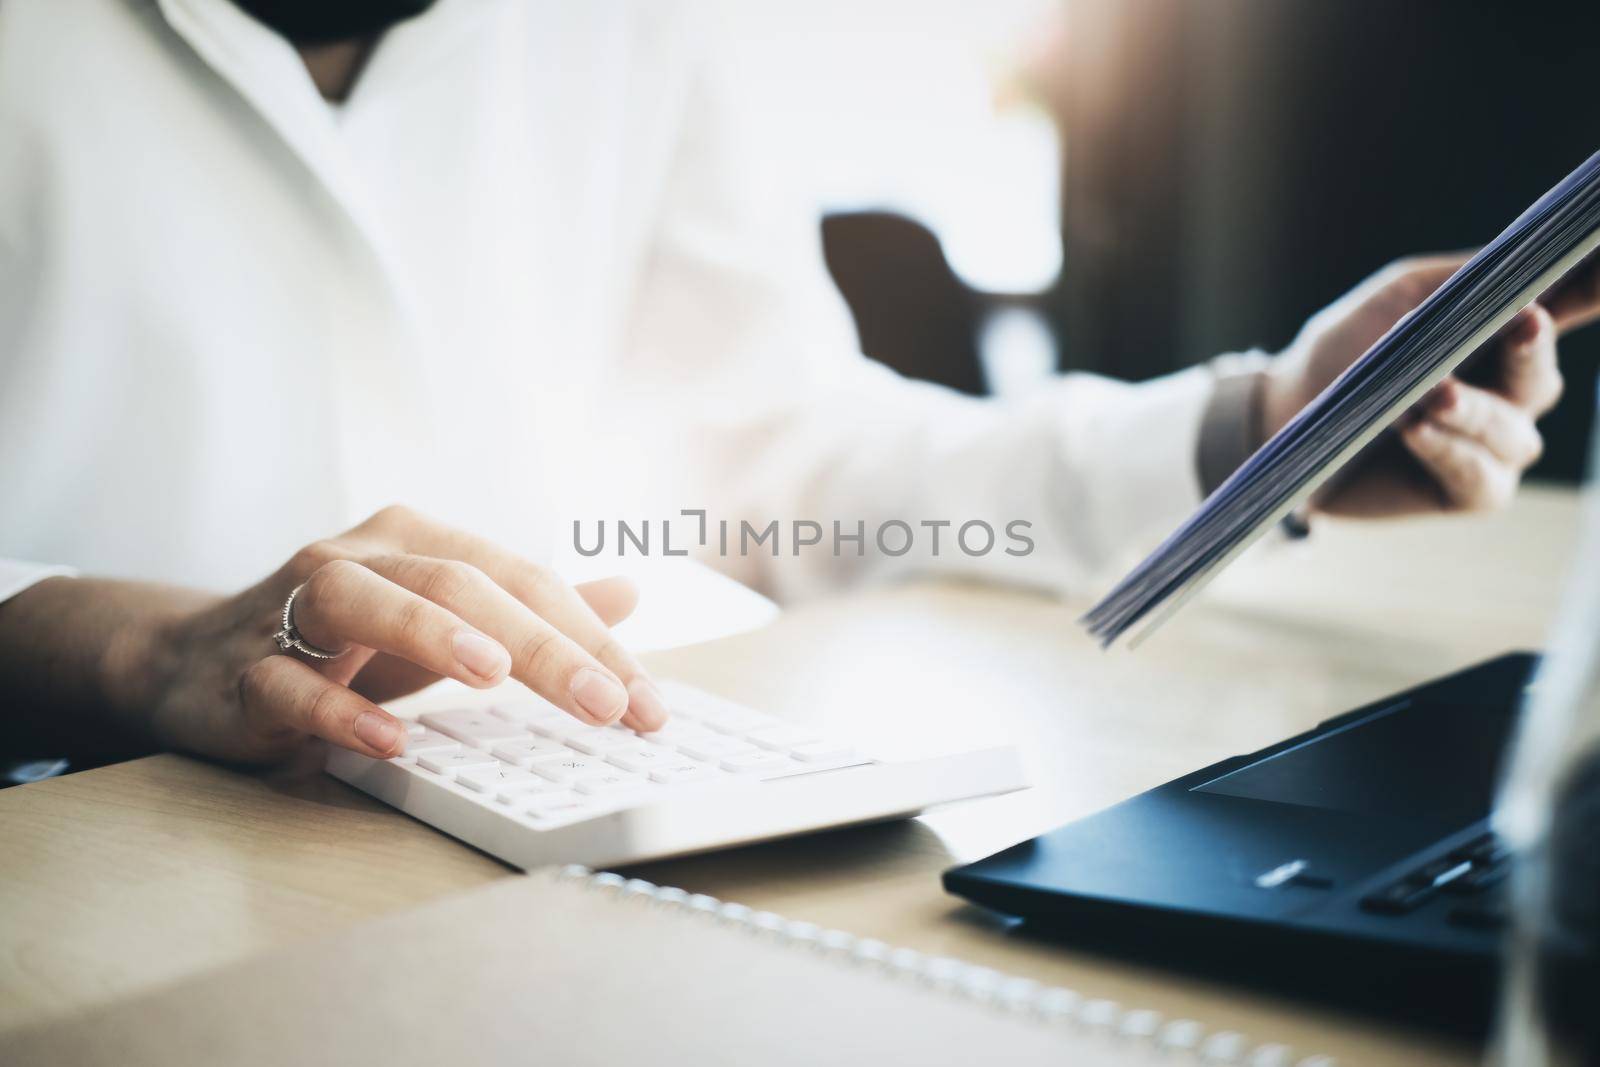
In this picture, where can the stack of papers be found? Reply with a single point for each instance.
(1507, 275)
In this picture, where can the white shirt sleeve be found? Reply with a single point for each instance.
(15, 575)
(738, 333)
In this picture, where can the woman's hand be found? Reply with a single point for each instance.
(1466, 444)
(405, 600)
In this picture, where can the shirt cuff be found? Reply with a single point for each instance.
(1231, 428)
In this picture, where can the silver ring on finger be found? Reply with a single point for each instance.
(288, 639)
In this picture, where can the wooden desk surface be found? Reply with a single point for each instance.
(119, 879)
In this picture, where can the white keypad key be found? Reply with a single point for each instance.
(560, 729)
(597, 742)
(451, 763)
(676, 733)
(430, 741)
(716, 748)
(474, 727)
(524, 751)
(511, 796)
(495, 778)
(558, 805)
(568, 769)
(685, 772)
(756, 761)
(642, 758)
(526, 714)
(414, 729)
(711, 710)
(609, 785)
(511, 713)
(559, 752)
(821, 752)
(781, 738)
(737, 721)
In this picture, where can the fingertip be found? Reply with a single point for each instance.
(1531, 323)
(1523, 326)
(1445, 395)
(1421, 436)
(646, 705)
(381, 733)
(599, 695)
(484, 661)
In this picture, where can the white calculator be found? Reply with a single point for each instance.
(524, 781)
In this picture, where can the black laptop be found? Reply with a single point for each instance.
(1353, 862)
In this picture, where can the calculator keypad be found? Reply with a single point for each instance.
(534, 761)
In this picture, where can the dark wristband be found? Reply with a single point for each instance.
(1230, 429)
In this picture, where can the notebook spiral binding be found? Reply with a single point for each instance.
(1180, 1039)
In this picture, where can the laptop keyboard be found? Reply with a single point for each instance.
(1474, 874)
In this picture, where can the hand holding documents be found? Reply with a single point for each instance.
(1507, 275)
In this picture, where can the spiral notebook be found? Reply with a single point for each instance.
(574, 968)
(1549, 239)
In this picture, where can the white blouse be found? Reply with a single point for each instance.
(531, 272)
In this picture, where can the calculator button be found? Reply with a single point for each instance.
(642, 758)
(676, 733)
(781, 738)
(516, 792)
(613, 784)
(415, 729)
(716, 748)
(755, 762)
(684, 772)
(559, 729)
(554, 753)
(524, 714)
(598, 742)
(523, 752)
(821, 752)
(556, 805)
(493, 779)
(738, 721)
(473, 727)
(430, 741)
(568, 769)
(451, 763)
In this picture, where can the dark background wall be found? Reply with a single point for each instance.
(1233, 165)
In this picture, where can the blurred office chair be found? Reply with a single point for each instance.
(911, 311)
